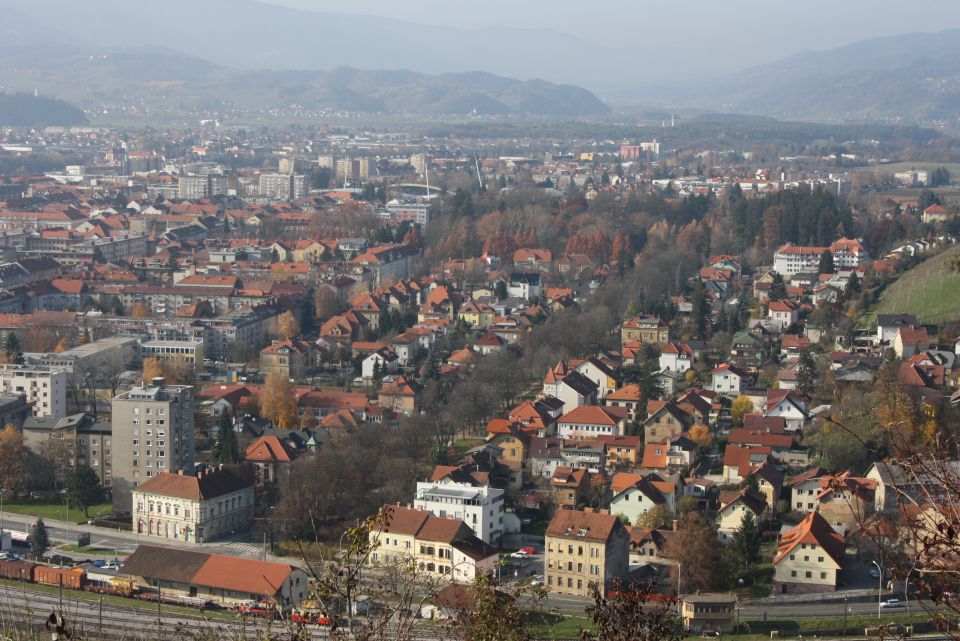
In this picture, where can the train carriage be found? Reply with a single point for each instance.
(17, 570)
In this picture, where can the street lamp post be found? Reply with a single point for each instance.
(679, 576)
(879, 587)
(846, 609)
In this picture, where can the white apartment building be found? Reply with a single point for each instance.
(283, 186)
(481, 508)
(45, 387)
(793, 259)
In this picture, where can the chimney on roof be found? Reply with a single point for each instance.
(180, 472)
(675, 524)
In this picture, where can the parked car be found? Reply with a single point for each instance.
(537, 580)
(891, 603)
(520, 554)
(528, 550)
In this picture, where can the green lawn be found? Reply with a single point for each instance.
(564, 626)
(952, 167)
(464, 444)
(930, 290)
(86, 549)
(57, 512)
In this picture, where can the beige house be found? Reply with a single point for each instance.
(442, 547)
(710, 612)
(733, 507)
(193, 509)
(288, 358)
(809, 557)
(584, 548)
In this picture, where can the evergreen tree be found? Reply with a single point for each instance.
(778, 289)
(853, 287)
(39, 539)
(927, 198)
(701, 310)
(746, 540)
(806, 373)
(500, 289)
(826, 262)
(225, 449)
(83, 489)
(12, 347)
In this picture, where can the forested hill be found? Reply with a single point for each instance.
(24, 110)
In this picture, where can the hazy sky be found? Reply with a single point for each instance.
(735, 33)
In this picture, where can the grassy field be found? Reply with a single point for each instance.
(930, 290)
(568, 627)
(56, 511)
(894, 167)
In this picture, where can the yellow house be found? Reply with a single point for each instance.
(809, 557)
(308, 251)
(646, 329)
(585, 548)
(478, 315)
(513, 443)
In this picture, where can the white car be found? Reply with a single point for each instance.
(891, 603)
(520, 554)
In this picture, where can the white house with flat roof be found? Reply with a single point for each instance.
(480, 507)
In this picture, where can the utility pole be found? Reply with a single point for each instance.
(159, 614)
(879, 588)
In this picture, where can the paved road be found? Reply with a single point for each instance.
(126, 542)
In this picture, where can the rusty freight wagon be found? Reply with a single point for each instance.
(72, 578)
(17, 570)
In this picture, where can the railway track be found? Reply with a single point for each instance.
(28, 609)
(25, 610)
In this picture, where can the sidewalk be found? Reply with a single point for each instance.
(817, 597)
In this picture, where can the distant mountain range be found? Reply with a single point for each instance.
(35, 55)
(266, 55)
(909, 78)
(216, 53)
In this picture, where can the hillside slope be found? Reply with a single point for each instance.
(23, 110)
(912, 77)
(930, 290)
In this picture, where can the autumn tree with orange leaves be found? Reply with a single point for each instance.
(278, 402)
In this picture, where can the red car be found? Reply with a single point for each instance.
(528, 550)
(257, 609)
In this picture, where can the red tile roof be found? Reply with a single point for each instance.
(814, 529)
